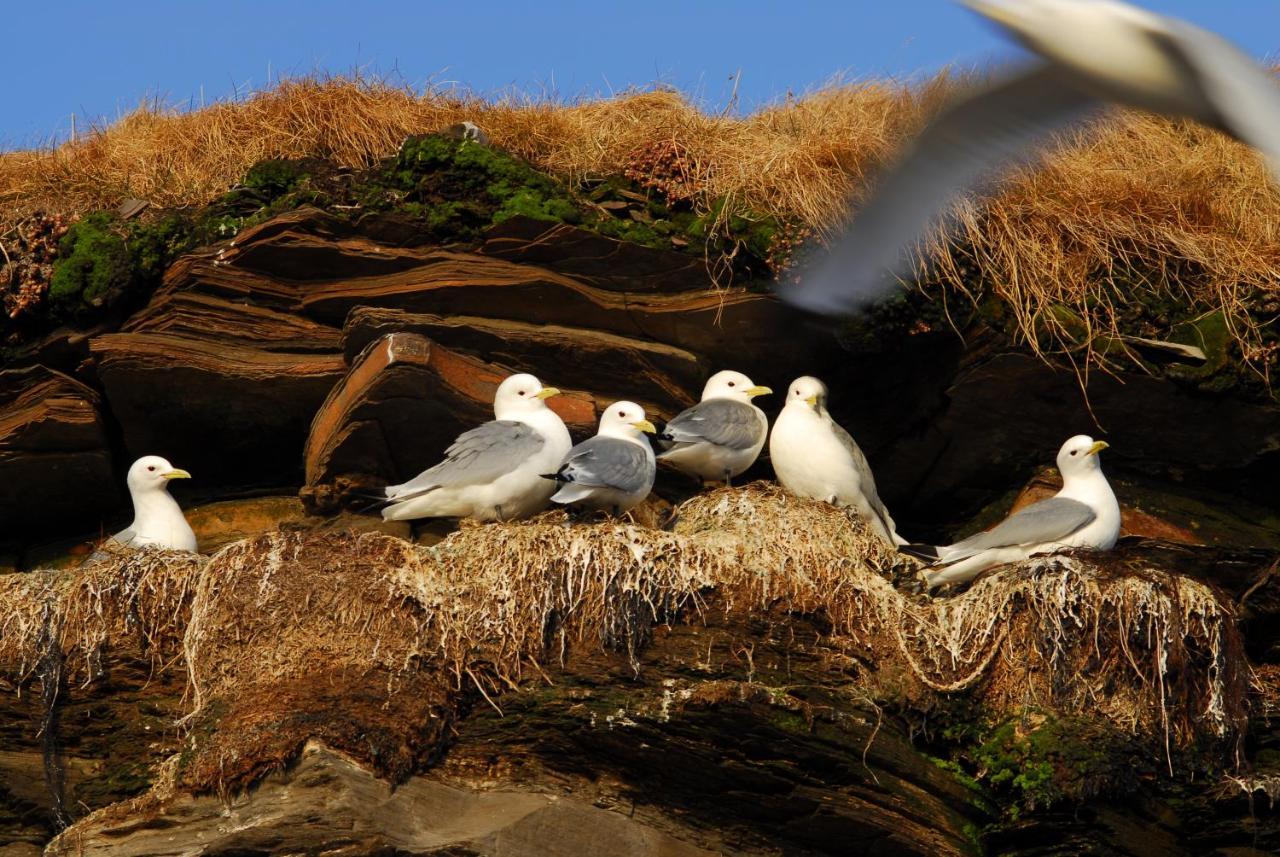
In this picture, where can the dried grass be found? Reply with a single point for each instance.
(372, 644)
(1137, 203)
(135, 602)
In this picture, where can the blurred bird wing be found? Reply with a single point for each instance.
(998, 126)
(1244, 95)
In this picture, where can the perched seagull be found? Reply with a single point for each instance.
(157, 518)
(492, 472)
(814, 457)
(1094, 52)
(722, 435)
(614, 470)
(1084, 514)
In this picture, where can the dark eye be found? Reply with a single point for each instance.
(731, 383)
(1073, 452)
(522, 392)
(153, 467)
(622, 415)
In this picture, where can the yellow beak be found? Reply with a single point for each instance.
(645, 426)
(546, 393)
(1098, 446)
(813, 400)
(176, 474)
(757, 391)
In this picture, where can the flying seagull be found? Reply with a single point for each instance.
(492, 472)
(1093, 52)
(815, 457)
(1083, 514)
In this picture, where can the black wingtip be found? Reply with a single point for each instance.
(556, 477)
(665, 436)
(928, 553)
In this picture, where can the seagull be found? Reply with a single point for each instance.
(157, 518)
(722, 435)
(1092, 52)
(815, 457)
(492, 472)
(613, 470)
(1084, 514)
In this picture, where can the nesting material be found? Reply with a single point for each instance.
(374, 645)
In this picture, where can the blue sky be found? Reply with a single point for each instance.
(96, 59)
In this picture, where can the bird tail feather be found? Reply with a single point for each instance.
(928, 553)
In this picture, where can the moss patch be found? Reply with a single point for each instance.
(1038, 760)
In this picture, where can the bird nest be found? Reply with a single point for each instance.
(376, 645)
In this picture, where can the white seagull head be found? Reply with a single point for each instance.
(152, 473)
(1079, 456)
(625, 420)
(728, 384)
(807, 392)
(521, 394)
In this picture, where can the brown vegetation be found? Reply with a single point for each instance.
(279, 630)
(1137, 204)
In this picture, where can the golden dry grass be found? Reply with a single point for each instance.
(1136, 202)
(373, 645)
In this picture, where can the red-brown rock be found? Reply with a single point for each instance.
(55, 465)
(397, 410)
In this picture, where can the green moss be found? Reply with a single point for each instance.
(94, 267)
(103, 261)
(1039, 760)
(275, 177)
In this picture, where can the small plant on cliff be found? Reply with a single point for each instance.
(93, 269)
(1039, 760)
(101, 261)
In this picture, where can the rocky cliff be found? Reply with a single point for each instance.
(738, 672)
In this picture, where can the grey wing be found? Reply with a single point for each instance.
(720, 421)
(1245, 96)
(124, 537)
(111, 547)
(998, 127)
(605, 462)
(1046, 521)
(480, 455)
(866, 480)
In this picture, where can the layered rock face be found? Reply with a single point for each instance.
(740, 672)
(746, 682)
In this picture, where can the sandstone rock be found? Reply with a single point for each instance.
(596, 259)
(218, 524)
(397, 410)
(224, 391)
(313, 264)
(326, 804)
(54, 455)
(663, 378)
